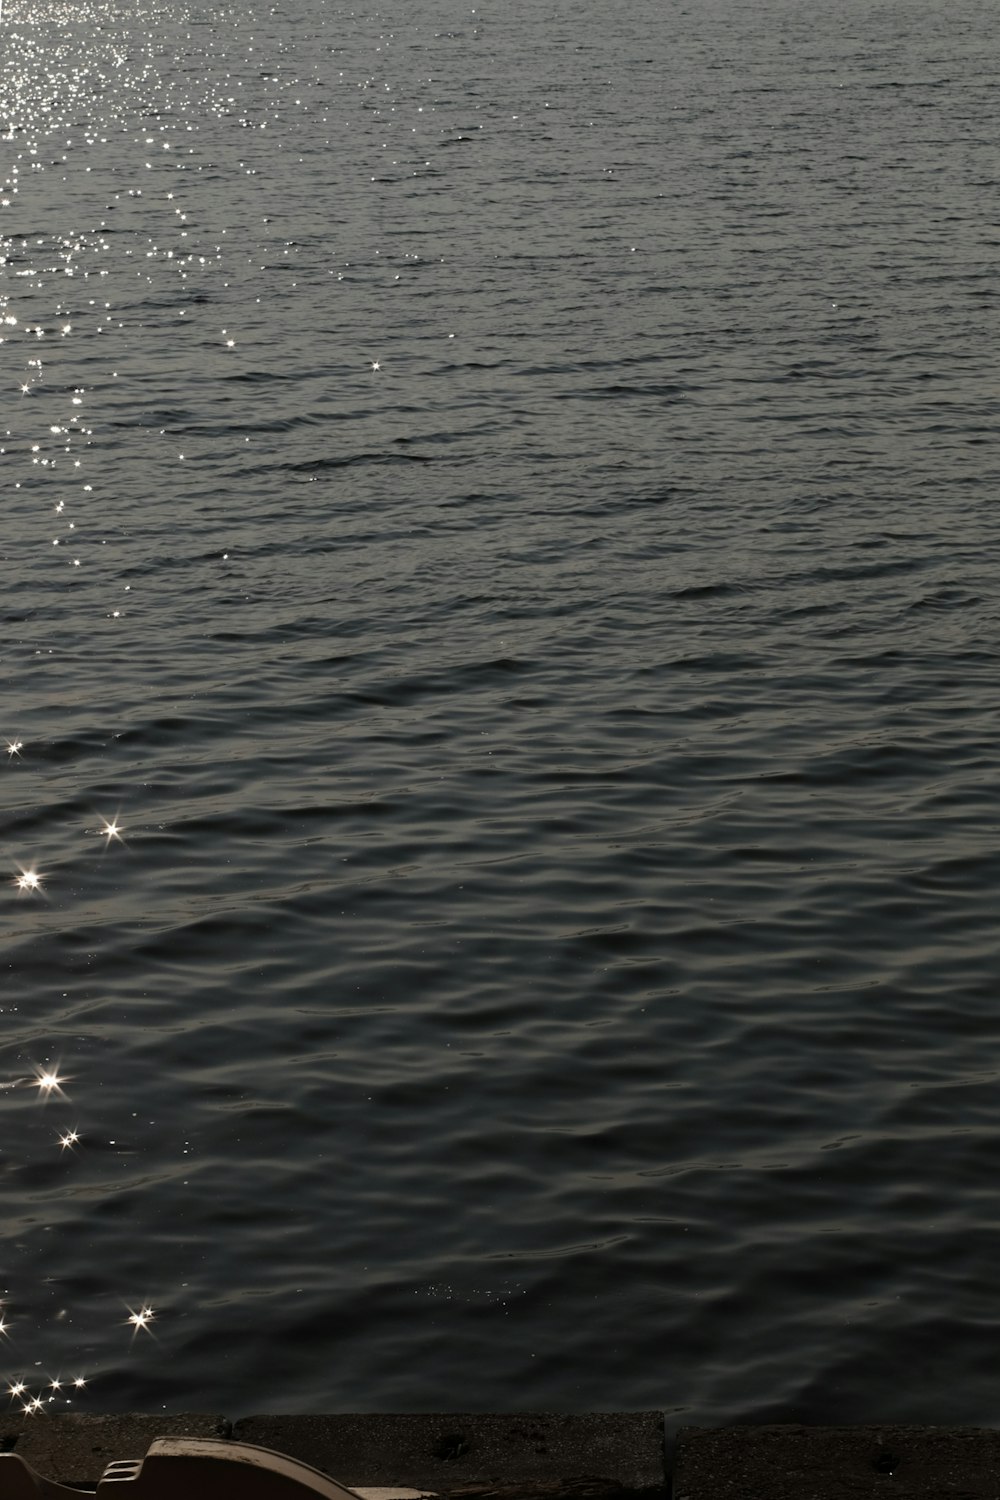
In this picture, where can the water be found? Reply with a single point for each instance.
(500, 586)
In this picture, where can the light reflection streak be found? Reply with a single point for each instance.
(61, 434)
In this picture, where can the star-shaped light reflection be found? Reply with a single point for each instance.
(112, 830)
(140, 1319)
(14, 747)
(29, 880)
(69, 1139)
(48, 1081)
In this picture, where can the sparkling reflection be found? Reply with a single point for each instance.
(140, 1319)
(49, 1082)
(80, 80)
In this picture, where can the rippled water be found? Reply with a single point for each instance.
(500, 573)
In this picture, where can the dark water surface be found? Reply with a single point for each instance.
(501, 507)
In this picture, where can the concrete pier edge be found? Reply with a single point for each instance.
(548, 1456)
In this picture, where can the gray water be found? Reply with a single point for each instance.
(500, 575)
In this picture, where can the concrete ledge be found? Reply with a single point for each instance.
(601, 1454)
(598, 1456)
(837, 1463)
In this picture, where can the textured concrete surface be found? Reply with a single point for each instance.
(10, 1429)
(593, 1454)
(599, 1456)
(74, 1448)
(837, 1463)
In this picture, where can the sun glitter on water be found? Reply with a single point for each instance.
(49, 1081)
(140, 1319)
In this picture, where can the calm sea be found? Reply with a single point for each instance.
(500, 563)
